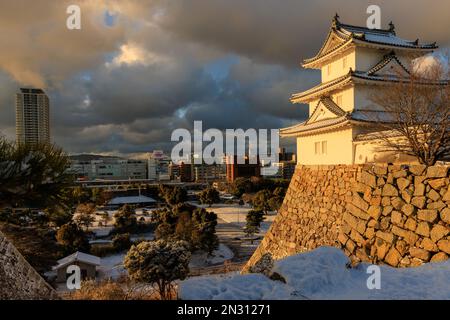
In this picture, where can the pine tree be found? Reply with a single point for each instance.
(33, 175)
(209, 196)
(160, 263)
(72, 238)
(125, 220)
(254, 219)
(204, 235)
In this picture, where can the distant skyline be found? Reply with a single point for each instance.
(139, 69)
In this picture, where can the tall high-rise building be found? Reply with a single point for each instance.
(32, 116)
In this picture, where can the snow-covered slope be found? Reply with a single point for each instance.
(323, 274)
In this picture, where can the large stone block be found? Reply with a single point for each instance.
(444, 245)
(357, 212)
(437, 172)
(396, 218)
(446, 196)
(368, 179)
(411, 224)
(437, 184)
(429, 245)
(419, 189)
(423, 229)
(403, 183)
(360, 202)
(420, 254)
(439, 257)
(445, 215)
(386, 236)
(408, 209)
(393, 257)
(433, 195)
(428, 215)
(374, 211)
(438, 232)
(417, 170)
(419, 202)
(389, 191)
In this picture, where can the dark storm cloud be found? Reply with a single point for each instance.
(125, 85)
(290, 30)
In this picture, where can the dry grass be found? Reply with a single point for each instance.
(123, 289)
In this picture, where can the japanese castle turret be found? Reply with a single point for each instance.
(355, 63)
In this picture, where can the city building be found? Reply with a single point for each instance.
(355, 63)
(250, 168)
(109, 169)
(32, 117)
(182, 172)
(209, 173)
(285, 156)
(174, 171)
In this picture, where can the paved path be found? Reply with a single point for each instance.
(231, 234)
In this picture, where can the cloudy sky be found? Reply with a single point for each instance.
(139, 69)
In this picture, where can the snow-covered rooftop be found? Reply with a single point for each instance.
(131, 200)
(80, 257)
(324, 274)
(342, 35)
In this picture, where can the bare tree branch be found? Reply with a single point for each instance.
(416, 114)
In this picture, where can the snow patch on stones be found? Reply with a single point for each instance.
(323, 273)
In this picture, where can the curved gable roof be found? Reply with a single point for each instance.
(388, 60)
(333, 110)
(345, 34)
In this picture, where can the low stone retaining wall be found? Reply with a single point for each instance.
(397, 214)
(18, 279)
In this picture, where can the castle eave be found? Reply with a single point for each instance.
(350, 36)
(307, 128)
(321, 89)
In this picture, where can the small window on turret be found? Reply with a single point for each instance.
(329, 69)
(317, 148)
(324, 147)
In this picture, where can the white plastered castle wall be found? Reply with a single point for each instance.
(338, 150)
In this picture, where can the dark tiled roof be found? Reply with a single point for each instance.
(387, 58)
(314, 126)
(362, 35)
(330, 105)
(323, 86)
(305, 128)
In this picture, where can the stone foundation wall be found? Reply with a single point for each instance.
(397, 215)
(18, 279)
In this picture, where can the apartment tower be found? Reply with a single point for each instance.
(32, 117)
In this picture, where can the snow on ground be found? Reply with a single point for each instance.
(219, 256)
(100, 241)
(112, 266)
(149, 236)
(322, 274)
(101, 231)
(234, 287)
